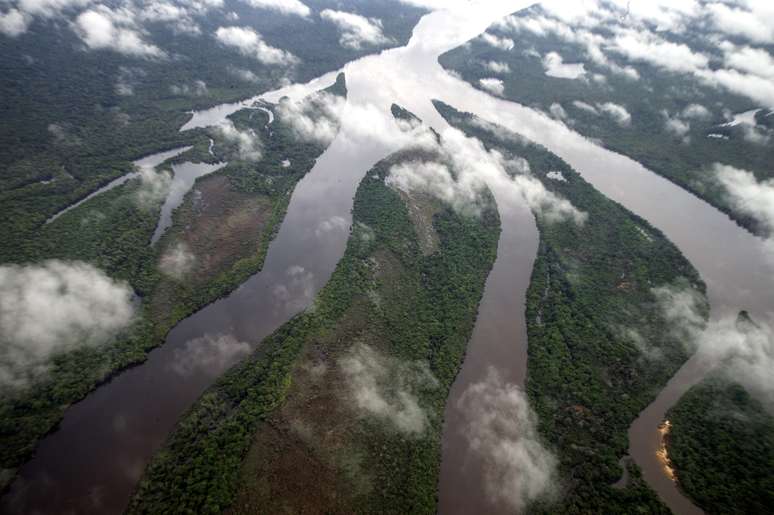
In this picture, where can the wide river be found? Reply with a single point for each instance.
(92, 463)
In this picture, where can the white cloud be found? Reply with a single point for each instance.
(696, 112)
(251, 44)
(749, 196)
(436, 179)
(628, 72)
(197, 89)
(677, 126)
(54, 307)
(750, 60)
(556, 67)
(498, 67)
(177, 262)
(248, 144)
(103, 28)
(585, 107)
(50, 8)
(501, 429)
(464, 167)
(14, 22)
(497, 42)
(759, 89)
(356, 31)
(617, 112)
(493, 85)
(389, 389)
(755, 22)
(557, 111)
(316, 118)
(284, 6)
(243, 74)
(176, 16)
(743, 351)
(154, 187)
(644, 46)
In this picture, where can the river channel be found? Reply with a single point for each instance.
(92, 463)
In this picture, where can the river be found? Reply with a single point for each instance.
(92, 463)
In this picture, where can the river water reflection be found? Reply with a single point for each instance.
(92, 463)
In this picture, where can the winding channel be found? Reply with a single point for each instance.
(92, 463)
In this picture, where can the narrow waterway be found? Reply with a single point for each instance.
(184, 176)
(736, 266)
(499, 341)
(148, 163)
(92, 463)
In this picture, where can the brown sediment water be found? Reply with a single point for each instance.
(92, 463)
(735, 265)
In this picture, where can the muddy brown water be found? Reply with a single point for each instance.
(92, 463)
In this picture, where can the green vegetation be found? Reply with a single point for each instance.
(282, 432)
(722, 447)
(686, 158)
(225, 225)
(599, 347)
(73, 119)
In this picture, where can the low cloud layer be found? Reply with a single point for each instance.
(283, 6)
(196, 89)
(747, 194)
(493, 85)
(498, 42)
(618, 113)
(743, 351)
(639, 33)
(249, 43)
(497, 67)
(356, 31)
(556, 67)
(501, 430)
(315, 119)
(177, 262)
(465, 167)
(388, 389)
(103, 28)
(54, 307)
(247, 143)
(154, 187)
(119, 26)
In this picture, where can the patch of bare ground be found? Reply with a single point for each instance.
(421, 209)
(310, 455)
(214, 228)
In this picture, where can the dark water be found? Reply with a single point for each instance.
(148, 162)
(93, 462)
(183, 179)
(736, 265)
(499, 341)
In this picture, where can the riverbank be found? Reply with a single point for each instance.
(218, 238)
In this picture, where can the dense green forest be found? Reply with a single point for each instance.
(224, 225)
(684, 155)
(284, 432)
(73, 120)
(599, 347)
(722, 448)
